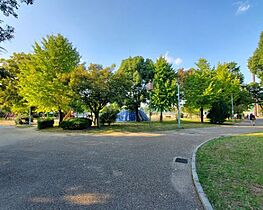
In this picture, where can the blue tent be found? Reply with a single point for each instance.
(126, 115)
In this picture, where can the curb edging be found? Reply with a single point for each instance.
(199, 189)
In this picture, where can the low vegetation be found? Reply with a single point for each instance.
(230, 170)
(134, 127)
(43, 123)
(76, 124)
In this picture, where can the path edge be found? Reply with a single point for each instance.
(198, 187)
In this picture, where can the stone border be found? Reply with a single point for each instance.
(201, 194)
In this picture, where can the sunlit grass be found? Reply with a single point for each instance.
(231, 171)
(137, 127)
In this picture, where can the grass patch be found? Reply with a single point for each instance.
(231, 171)
(135, 127)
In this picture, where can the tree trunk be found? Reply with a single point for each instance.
(61, 115)
(137, 114)
(97, 119)
(161, 116)
(202, 114)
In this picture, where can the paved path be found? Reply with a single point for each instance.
(40, 170)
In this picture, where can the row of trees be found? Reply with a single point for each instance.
(52, 78)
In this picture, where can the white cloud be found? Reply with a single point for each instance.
(242, 7)
(178, 61)
(172, 60)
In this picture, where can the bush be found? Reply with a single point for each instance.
(109, 115)
(76, 124)
(43, 123)
(22, 119)
(218, 113)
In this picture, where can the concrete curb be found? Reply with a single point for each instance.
(201, 194)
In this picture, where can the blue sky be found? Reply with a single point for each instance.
(107, 31)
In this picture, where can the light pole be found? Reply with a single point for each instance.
(178, 101)
(232, 107)
(149, 87)
(30, 116)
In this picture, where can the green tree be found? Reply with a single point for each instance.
(205, 86)
(198, 87)
(136, 72)
(219, 112)
(43, 80)
(256, 93)
(234, 69)
(96, 87)
(164, 91)
(255, 62)
(10, 100)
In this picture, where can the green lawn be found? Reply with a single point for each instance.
(231, 171)
(141, 126)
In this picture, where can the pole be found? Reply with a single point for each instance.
(29, 116)
(179, 114)
(232, 104)
(150, 108)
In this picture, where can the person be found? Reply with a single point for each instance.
(252, 119)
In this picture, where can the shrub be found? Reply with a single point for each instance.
(218, 113)
(22, 119)
(76, 124)
(43, 123)
(109, 115)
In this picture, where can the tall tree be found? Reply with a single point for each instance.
(256, 92)
(96, 87)
(199, 86)
(255, 62)
(9, 98)
(164, 91)
(43, 79)
(234, 69)
(137, 72)
(8, 8)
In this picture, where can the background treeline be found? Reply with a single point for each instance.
(53, 79)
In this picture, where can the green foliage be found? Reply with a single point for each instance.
(165, 87)
(135, 72)
(242, 101)
(234, 69)
(43, 123)
(76, 124)
(255, 62)
(44, 79)
(218, 112)
(96, 87)
(256, 92)
(198, 86)
(109, 115)
(9, 97)
(22, 119)
(205, 85)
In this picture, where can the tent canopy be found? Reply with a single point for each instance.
(128, 116)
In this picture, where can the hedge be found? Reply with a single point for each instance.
(43, 123)
(76, 124)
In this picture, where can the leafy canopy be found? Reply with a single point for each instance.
(255, 62)
(95, 86)
(10, 100)
(43, 79)
(165, 88)
(136, 72)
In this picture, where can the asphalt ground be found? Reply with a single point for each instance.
(42, 170)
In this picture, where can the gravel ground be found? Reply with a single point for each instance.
(41, 170)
